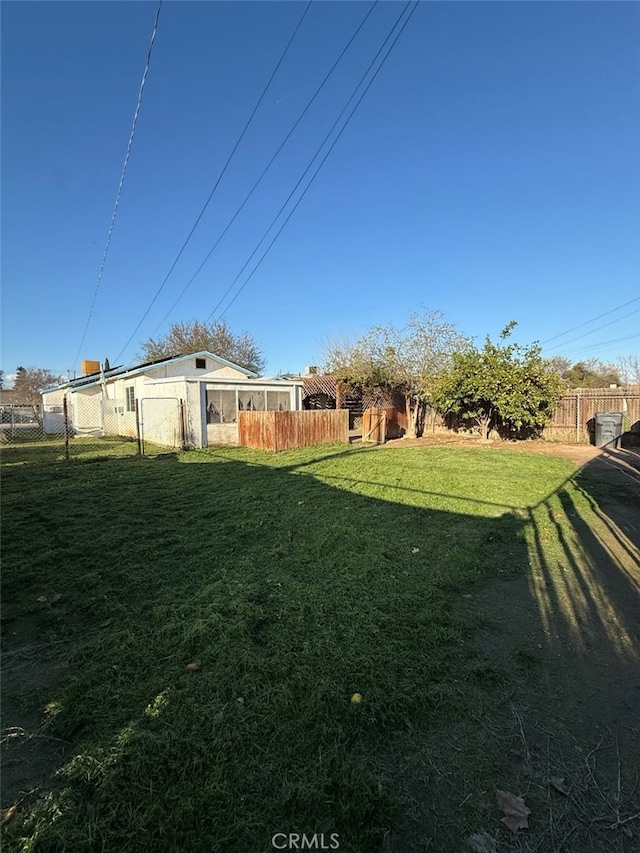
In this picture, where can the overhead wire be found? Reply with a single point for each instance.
(593, 320)
(313, 177)
(121, 183)
(598, 328)
(267, 167)
(220, 176)
(602, 343)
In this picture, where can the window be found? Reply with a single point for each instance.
(201, 364)
(221, 407)
(251, 400)
(130, 394)
(278, 401)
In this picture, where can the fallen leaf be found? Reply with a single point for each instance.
(557, 782)
(55, 597)
(194, 666)
(514, 809)
(8, 814)
(482, 842)
(42, 598)
(415, 550)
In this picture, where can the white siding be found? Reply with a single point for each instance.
(52, 412)
(102, 409)
(85, 411)
(188, 369)
(222, 434)
(195, 415)
(120, 421)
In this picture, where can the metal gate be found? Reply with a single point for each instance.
(160, 422)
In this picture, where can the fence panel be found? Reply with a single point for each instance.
(20, 423)
(289, 430)
(374, 426)
(160, 423)
(397, 422)
(81, 426)
(97, 427)
(574, 417)
(257, 430)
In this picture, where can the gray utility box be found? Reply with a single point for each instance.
(608, 429)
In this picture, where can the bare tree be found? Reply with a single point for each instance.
(559, 364)
(411, 358)
(30, 382)
(629, 369)
(217, 338)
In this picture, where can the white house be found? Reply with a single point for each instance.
(193, 399)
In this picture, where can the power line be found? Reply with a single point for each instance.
(313, 177)
(604, 343)
(267, 167)
(122, 176)
(415, 6)
(598, 328)
(593, 320)
(220, 176)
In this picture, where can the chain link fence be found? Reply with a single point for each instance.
(90, 426)
(20, 423)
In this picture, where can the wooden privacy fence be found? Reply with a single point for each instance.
(374, 426)
(288, 430)
(379, 424)
(573, 419)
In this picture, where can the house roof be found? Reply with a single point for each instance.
(121, 372)
(9, 396)
(284, 377)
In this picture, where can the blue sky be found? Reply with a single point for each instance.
(492, 172)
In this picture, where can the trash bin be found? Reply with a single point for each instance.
(608, 429)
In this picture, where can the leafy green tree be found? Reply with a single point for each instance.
(411, 359)
(503, 386)
(217, 338)
(592, 374)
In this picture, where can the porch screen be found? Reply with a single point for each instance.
(278, 401)
(251, 401)
(221, 407)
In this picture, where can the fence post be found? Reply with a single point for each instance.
(138, 435)
(65, 418)
(183, 431)
(578, 431)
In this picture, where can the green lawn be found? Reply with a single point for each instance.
(296, 580)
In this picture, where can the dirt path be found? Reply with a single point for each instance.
(571, 626)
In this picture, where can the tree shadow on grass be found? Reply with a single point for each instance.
(574, 622)
(293, 595)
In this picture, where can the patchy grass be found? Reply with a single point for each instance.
(295, 580)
